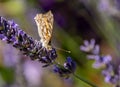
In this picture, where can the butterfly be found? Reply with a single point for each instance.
(45, 27)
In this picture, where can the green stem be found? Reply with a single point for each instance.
(80, 78)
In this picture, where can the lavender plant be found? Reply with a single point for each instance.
(12, 34)
(110, 72)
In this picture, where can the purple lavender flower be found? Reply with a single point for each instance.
(12, 34)
(10, 56)
(70, 64)
(110, 72)
(104, 5)
(100, 60)
(90, 47)
(49, 58)
(68, 68)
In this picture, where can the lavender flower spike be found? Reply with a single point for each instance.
(68, 68)
(12, 34)
(111, 72)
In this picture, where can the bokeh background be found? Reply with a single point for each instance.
(74, 22)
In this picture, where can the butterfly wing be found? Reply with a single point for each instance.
(45, 27)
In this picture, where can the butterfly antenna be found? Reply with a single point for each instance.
(63, 50)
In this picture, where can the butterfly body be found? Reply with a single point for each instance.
(45, 27)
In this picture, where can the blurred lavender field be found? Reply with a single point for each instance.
(74, 22)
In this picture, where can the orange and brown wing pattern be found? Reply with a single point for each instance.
(45, 26)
